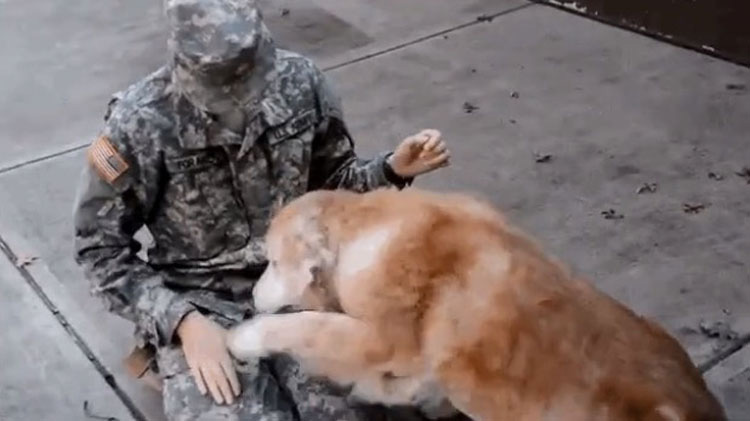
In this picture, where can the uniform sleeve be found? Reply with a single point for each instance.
(335, 163)
(106, 216)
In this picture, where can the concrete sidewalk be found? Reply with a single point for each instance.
(612, 110)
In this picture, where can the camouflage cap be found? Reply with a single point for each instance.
(218, 47)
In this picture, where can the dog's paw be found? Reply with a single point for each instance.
(437, 409)
(354, 399)
(432, 401)
(246, 340)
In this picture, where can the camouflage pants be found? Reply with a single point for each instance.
(273, 389)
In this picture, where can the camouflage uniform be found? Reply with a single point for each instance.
(205, 185)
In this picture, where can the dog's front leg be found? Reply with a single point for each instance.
(329, 344)
(333, 345)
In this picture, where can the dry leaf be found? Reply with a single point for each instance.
(647, 188)
(693, 208)
(469, 107)
(612, 214)
(542, 158)
(25, 260)
(744, 173)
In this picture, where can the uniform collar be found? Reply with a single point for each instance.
(194, 126)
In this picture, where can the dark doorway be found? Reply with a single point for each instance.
(719, 28)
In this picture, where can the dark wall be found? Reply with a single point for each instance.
(716, 27)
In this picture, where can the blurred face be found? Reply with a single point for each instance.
(221, 71)
(209, 87)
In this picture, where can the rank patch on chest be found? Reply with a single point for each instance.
(108, 163)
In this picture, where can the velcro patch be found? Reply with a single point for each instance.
(197, 161)
(292, 127)
(106, 160)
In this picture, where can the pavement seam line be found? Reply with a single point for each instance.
(488, 18)
(648, 33)
(484, 19)
(722, 355)
(108, 377)
(53, 155)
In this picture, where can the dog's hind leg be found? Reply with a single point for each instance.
(415, 391)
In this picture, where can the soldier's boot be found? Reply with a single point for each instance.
(139, 364)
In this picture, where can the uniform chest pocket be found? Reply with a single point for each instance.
(290, 149)
(202, 206)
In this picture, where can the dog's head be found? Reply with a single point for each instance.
(300, 260)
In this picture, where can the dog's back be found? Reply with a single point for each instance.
(507, 329)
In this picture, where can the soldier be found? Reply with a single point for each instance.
(201, 152)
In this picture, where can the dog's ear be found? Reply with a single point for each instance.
(322, 291)
(316, 265)
(317, 242)
(326, 258)
(316, 272)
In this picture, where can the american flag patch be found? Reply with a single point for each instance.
(106, 160)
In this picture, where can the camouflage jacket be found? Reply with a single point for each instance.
(204, 193)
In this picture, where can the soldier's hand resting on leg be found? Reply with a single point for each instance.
(203, 342)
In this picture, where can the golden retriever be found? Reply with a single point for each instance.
(434, 300)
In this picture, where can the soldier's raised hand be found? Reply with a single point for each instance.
(203, 342)
(419, 154)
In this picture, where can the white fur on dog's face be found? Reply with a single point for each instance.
(281, 285)
(293, 255)
(269, 293)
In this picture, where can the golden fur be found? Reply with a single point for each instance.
(450, 301)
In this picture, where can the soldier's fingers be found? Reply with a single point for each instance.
(431, 144)
(231, 374)
(414, 145)
(213, 387)
(431, 133)
(439, 160)
(198, 377)
(439, 147)
(433, 151)
(223, 382)
(408, 143)
(224, 388)
(420, 139)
